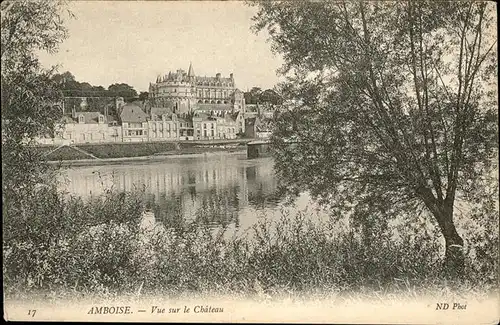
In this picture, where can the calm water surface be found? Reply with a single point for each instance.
(213, 189)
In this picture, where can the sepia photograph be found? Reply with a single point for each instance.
(308, 161)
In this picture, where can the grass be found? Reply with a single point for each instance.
(121, 150)
(109, 150)
(67, 247)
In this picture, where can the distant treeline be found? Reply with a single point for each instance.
(71, 88)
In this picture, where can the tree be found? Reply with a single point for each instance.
(398, 106)
(64, 79)
(253, 96)
(143, 95)
(270, 96)
(30, 99)
(122, 90)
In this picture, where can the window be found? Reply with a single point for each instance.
(81, 119)
(212, 125)
(213, 133)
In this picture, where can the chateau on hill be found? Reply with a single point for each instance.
(187, 93)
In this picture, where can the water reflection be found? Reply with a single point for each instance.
(214, 190)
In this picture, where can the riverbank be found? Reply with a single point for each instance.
(117, 152)
(156, 157)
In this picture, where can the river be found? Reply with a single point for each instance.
(215, 189)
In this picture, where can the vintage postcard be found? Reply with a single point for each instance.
(250, 161)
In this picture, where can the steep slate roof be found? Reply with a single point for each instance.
(67, 119)
(133, 113)
(204, 117)
(161, 110)
(89, 117)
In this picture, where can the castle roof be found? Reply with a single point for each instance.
(214, 107)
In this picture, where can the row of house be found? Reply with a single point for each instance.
(159, 124)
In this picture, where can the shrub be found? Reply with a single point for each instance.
(100, 246)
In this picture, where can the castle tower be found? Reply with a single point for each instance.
(191, 71)
(191, 76)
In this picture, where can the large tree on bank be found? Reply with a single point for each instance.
(29, 95)
(397, 105)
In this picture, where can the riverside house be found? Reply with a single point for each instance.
(163, 125)
(85, 127)
(134, 123)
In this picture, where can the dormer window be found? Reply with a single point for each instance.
(81, 119)
(101, 119)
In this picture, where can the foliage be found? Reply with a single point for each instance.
(70, 87)
(396, 105)
(100, 246)
(143, 95)
(63, 242)
(123, 90)
(29, 98)
(257, 96)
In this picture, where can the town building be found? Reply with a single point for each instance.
(256, 127)
(81, 125)
(226, 127)
(163, 125)
(205, 127)
(134, 123)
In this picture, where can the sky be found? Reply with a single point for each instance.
(134, 41)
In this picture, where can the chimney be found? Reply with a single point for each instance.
(73, 111)
(231, 75)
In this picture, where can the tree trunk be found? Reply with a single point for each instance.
(454, 261)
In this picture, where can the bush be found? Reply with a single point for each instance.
(65, 244)
(52, 240)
